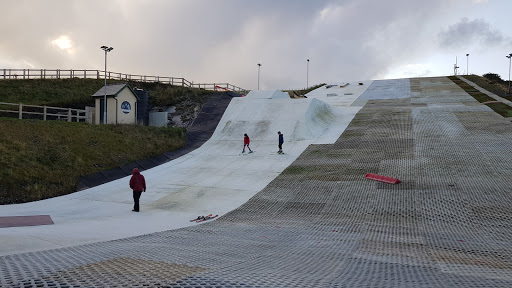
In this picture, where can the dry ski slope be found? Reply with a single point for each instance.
(214, 179)
(320, 223)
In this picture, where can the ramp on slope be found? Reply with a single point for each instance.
(214, 178)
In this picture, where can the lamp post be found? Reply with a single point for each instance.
(467, 64)
(106, 49)
(259, 65)
(509, 56)
(307, 76)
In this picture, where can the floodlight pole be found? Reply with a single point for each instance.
(259, 66)
(307, 76)
(467, 64)
(106, 49)
(509, 56)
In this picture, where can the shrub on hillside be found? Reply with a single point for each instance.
(493, 77)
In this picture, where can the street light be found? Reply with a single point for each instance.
(106, 49)
(509, 56)
(307, 76)
(259, 65)
(467, 64)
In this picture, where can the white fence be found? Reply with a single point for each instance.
(99, 74)
(45, 112)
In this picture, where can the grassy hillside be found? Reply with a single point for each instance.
(42, 159)
(76, 93)
(498, 107)
(500, 89)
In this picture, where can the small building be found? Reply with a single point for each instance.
(121, 104)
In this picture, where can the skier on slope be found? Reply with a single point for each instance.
(246, 143)
(138, 184)
(281, 141)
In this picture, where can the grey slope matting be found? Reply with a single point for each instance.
(321, 223)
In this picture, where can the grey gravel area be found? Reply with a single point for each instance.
(321, 223)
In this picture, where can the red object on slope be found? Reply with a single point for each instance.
(19, 221)
(381, 178)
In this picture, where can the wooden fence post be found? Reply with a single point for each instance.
(69, 114)
(44, 113)
(20, 116)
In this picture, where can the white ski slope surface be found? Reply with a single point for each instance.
(216, 178)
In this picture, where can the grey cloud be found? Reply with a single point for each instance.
(221, 41)
(465, 33)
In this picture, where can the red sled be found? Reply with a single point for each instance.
(381, 178)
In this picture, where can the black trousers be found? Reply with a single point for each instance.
(136, 197)
(280, 146)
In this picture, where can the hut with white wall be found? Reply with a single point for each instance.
(121, 104)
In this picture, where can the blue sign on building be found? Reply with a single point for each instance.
(126, 107)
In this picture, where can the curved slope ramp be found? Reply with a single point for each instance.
(215, 178)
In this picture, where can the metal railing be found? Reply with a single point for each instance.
(100, 74)
(46, 112)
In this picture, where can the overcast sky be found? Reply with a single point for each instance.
(208, 41)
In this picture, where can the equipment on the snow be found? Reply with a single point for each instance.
(206, 218)
(200, 218)
(203, 218)
(381, 178)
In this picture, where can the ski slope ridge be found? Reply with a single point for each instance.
(215, 178)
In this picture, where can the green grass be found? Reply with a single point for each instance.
(43, 159)
(481, 97)
(501, 108)
(491, 86)
(76, 93)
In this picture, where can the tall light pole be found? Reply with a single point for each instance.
(467, 64)
(307, 76)
(259, 65)
(509, 56)
(106, 49)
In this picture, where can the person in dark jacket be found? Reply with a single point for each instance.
(138, 185)
(246, 143)
(281, 141)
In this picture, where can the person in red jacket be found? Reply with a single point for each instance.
(246, 143)
(138, 185)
